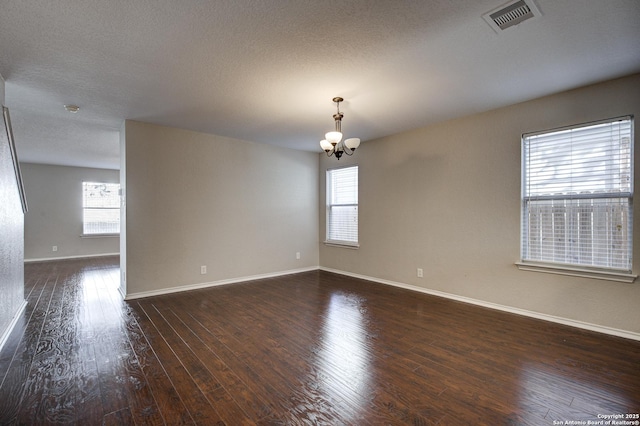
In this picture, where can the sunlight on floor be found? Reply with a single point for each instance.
(345, 352)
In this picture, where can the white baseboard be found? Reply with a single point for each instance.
(565, 321)
(80, 256)
(131, 296)
(122, 293)
(12, 324)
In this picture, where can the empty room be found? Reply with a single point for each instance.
(319, 213)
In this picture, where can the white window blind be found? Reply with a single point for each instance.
(342, 206)
(101, 208)
(577, 190)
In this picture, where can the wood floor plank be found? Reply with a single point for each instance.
(111, 373)
(36, 406)
(254, 407)
(20, 357)
(120, 372)
(310, 348)
(226, 365)
(170, 406)
(118, 418)
(125, 395)
(250, 346)
(204, 398)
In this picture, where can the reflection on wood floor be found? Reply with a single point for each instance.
(312, 348)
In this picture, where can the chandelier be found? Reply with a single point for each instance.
(332, 143)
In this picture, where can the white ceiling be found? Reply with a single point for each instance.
(266, 71)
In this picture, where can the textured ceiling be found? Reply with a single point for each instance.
(266, 71)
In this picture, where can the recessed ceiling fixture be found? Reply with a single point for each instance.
(332, 144)
(72, 108)
(511, 14)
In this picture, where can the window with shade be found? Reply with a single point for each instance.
(342, 206)
(100, 208)
(577, 193)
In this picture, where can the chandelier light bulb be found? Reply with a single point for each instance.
(352, 143)
(333, 137)
(326, 145)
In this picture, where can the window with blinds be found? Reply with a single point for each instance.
(100, 208)
(342, 206)
(577, 190)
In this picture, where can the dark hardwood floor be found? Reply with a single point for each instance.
(311, 348)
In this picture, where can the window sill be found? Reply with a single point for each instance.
(99, 235)
(342, 244)
(598, 274)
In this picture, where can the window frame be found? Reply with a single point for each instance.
(329, 205)
(86, 234)
(576, 269)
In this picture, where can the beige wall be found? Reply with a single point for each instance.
(54, 194)
(446, 198)
(240, 208)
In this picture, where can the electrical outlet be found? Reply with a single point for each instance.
(420, 273)
(54, 248)
(203, 269)
(298, 255)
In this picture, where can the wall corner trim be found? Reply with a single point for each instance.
(551, 318)
(12, 324)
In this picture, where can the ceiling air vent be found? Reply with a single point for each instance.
(511, 14)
